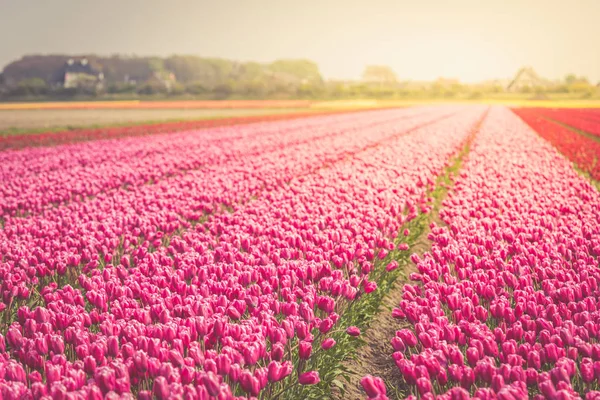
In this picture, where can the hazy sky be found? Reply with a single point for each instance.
(420, 39)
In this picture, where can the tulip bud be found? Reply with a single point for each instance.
(223, 364)
(373, 386)
(277, 352)
(424, 386)
(468, 378)
(14, 338)
(304, 350)
(398, 344)
(328, 343)
(211, 383)
(548, 389)
(250, 384)
(89, 365)
(587, 370)
(113, 346)
(407, 337)
(326, 325)
(274, 371)
(534, 360)
(391, 266)
(140, 361)
(370, 287)
(472, 356)
(105, 378)
(160, 388)
(353, 331)
(309, 378)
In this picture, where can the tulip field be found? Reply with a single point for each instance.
(575, 132)
(247, 261)
(504, 303)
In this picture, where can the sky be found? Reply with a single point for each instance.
(421, 40)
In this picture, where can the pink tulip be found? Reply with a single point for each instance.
(275, 371)
(211, 383)
(304, 350)
(353, 331)
(309, 378)
(373, 386)
(424, 386)
(327, 343)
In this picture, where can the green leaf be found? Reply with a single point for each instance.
(339, 385)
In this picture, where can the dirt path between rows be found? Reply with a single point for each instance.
(375, 356)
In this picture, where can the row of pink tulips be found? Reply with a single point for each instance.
(32, 182)
(505, 304)
(240, 305)
(112, 225)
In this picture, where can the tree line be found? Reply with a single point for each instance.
(184, 76)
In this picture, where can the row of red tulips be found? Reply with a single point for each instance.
(586, 120)
(53, 138)
(583, 151)
(505, 304)
(122, 296)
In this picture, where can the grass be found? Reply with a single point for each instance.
(23, 131)
(154, 103)
(15, 131)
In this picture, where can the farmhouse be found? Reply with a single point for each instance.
(79, 73)
(526, 77)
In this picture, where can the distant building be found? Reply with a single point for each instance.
(79, 73)
(526, 78)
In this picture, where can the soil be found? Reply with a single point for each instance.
(375, 357)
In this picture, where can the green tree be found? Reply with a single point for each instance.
(152, 88)
(196, 88)
(570, 79)
(31, 87)
(379, 74)
(223, 90)
(177, 89)
(119, 87)
(302, 71)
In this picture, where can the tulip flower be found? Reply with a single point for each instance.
(304, 350)
(353, 331)
(373, 386)
(424, 386)
(211, 383)
(309, 378)
(191, 264)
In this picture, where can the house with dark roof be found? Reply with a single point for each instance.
(526, 78)
(79, 73)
